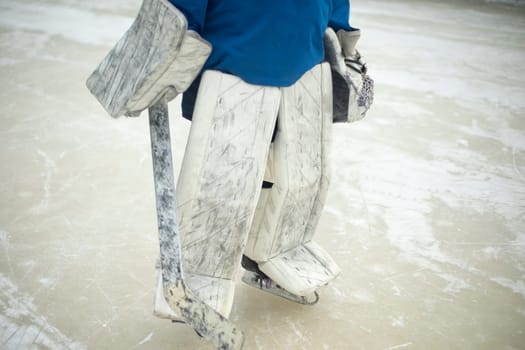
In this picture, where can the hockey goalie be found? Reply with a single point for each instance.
(262, 83)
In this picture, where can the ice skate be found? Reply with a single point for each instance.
(254, 277)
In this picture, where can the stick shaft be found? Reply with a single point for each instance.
(169, 237)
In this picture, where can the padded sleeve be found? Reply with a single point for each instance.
(195, 12)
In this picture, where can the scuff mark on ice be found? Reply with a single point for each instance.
(4, 239)
(146, 339)
(516, 286)
(50, 168)
(23, 327)
(398, 346)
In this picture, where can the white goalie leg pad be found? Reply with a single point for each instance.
(220, 181)
(288, 213)
(259, 216)
(156, 57)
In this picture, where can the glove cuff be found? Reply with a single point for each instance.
(348, 40)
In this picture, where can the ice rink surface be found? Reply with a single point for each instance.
(425, 215)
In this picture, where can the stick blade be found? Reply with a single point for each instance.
(206, 321)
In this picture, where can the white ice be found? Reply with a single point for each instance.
(425, 216)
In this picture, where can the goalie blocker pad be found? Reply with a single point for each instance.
(353, 89)
(156, 57)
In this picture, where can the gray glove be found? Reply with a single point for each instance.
(353, 89)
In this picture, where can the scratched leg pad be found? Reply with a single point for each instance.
(287, 214)
(301, 270)
(220, 181)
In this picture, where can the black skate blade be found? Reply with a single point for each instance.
(254, 280)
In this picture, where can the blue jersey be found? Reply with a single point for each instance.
(265, 42)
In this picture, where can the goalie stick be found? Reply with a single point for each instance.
(206, 321)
